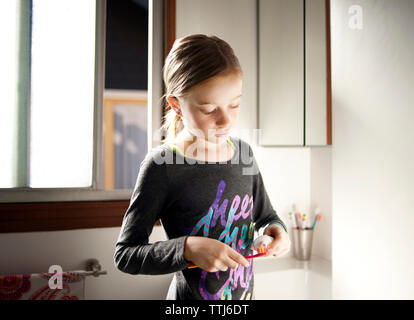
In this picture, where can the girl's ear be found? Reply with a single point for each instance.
(173, 102)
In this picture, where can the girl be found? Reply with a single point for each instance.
(196, 183)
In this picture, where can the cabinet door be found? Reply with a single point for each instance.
(280, 72)
(294, 97)
(317, 73)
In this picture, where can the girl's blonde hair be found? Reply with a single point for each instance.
(192, 60)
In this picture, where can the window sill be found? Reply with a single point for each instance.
(59, 215)
(19, 195)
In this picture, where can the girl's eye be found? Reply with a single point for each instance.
(214, 110)
(211, 112)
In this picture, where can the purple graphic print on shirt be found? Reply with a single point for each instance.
(241, 276)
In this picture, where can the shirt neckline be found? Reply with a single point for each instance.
(178, 151)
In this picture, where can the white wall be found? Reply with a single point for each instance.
(321, 196)
(373, 155)
(235, 22)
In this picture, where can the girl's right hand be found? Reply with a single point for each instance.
(212, 255)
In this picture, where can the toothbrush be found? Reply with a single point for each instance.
(262, 251)
(297, 220)
(294, 226)
(316, 215)
(304, 221)
(259, 244)
(317, 218)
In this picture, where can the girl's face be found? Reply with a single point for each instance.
(211, 108)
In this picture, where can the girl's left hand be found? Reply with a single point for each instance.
(281, 244)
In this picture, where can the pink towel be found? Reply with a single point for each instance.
(36, 287)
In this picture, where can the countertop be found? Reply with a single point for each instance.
(272, 264)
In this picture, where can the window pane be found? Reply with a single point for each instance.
(130, 142)
(62, 93)
(8, 94)
(125, 95)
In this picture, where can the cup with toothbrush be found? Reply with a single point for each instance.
(303, 233)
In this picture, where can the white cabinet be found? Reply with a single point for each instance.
(294, 98)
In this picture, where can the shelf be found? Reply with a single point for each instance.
(272, 264)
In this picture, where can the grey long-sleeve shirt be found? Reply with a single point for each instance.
(223, 200)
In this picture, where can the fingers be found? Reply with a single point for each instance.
(235, 264)
(222, 263)
(281, 252)
(238, 258)
(279, 246)
(230, 259)
(222, 266)
(216, 265)
(273, 248)
(225, 257)
(229, 263)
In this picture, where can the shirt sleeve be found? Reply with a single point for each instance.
(264, 213)
(133, 253)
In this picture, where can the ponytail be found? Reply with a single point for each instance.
(172, 123)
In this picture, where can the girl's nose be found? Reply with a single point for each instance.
(223, 119)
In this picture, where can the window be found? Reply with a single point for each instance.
(10, 26)
(125, 95)
(62, 94)
(31, 196)
(47, 120)
(28, 203)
